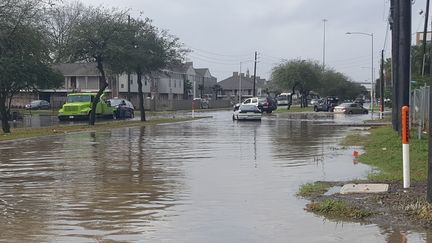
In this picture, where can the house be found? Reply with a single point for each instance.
(78, 77)
(231, 86)
(204, 83)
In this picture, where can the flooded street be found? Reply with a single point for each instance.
(210, 180)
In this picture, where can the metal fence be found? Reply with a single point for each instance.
(420, 109)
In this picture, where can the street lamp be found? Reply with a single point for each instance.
(372, 66)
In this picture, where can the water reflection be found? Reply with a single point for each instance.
(211, 180)
(83, 185)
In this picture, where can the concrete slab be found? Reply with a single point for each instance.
(364, 188)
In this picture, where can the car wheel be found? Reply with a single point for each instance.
(365, 112)
(132, 114)
(233, 117)
(315, 109)
(350, 112)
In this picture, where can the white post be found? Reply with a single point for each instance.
(405, 147)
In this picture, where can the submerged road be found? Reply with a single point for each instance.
(211, 180)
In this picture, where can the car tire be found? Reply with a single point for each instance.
(365, 112)
(315, 109)
(350, 112)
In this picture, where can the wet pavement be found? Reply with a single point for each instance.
(211, 180)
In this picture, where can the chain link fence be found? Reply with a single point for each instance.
(420, 109)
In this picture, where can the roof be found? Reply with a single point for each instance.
(201, 71)
(77, 69)
(233, 82)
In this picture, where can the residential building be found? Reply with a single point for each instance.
(231, 86)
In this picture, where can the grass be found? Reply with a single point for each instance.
(19, 133)
(283, 109)
(383, 150)
(337, 209)
(312, 189)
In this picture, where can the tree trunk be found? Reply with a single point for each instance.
(99, 93)
(4, 116)
(141, 97)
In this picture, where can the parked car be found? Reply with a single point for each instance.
(201, 103)
(246, 112)
(79, 106)
(38, 105)
(350, 108)
(122, 108)
(326, 104)
(267, 104)
(314, 101)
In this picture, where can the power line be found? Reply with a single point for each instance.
(218, 54)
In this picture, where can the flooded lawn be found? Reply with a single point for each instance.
(212, 180)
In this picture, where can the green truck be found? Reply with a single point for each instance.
(78, 107)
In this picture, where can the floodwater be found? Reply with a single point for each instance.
(210, 180)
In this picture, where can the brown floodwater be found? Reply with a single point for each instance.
(210, 180)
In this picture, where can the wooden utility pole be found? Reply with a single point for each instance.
(254, 89)
(394, 25)
(424, 37)
(404, 51)
(429, 179)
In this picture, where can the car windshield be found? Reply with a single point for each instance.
(79, 98)
(248, 108)
(35, 102)
(345, 104)
(115, 102)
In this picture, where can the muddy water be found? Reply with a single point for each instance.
(211, 180)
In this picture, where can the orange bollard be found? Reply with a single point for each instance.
(355, 154)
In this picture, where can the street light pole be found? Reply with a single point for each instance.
(324, 42)
(372, 67)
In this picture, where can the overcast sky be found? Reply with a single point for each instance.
(223, 33)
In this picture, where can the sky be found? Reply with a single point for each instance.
(223, 35)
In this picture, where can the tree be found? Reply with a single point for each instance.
(101, 36)
(149, 51)
(298, 75)
(24, 53)
(61, 21)
(187, 87)
(201, 89)
(216, 88)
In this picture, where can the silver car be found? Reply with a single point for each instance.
(246, 112)
(350, 108)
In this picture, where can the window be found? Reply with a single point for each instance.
(122, 86)
(247, 101)
(131, 79)
(175, 84)
(145, 81)
(169, 84)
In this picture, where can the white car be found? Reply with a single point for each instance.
(246, 112)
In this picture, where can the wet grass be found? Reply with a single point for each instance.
(20, 133)
(337, 209)
(313, 189)
(383, 150)
(283, 109)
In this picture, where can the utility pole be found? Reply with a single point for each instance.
(382, 86)
(254, 90)
(240, 84)
(128, 74)
(405, 50)
(424, 37)
(394, 25)
(324, 42)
